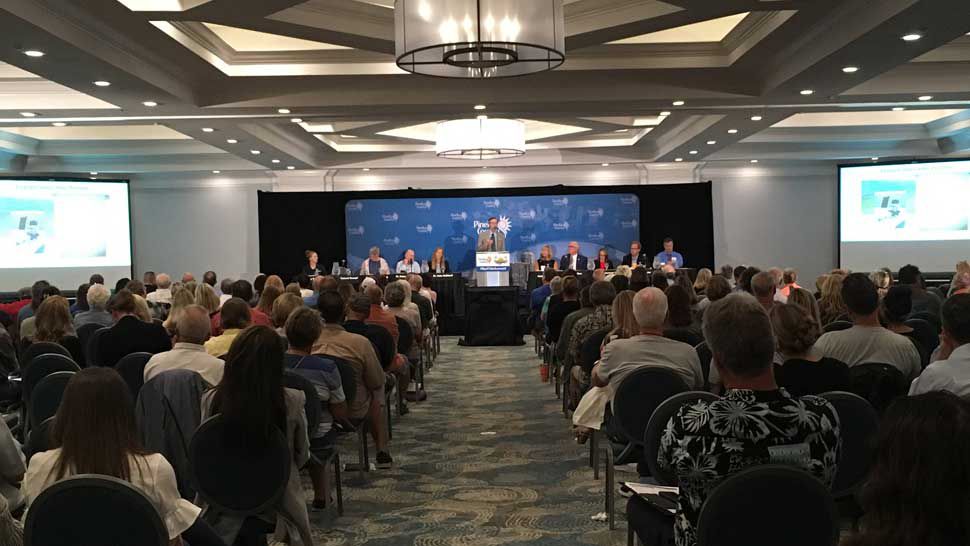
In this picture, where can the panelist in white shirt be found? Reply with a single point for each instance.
(409, 264)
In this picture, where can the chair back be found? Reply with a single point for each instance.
(705, 355)
(84, 334)
(132, 370)
(233, 480)
(312, 407)
(39, 439)
(42, 366)
(93, 509)
(684, 335)
(878, 383)
(92, 356)
(769, 505)
(46, 397)
(589, 350)
(932, 319)
(924, 330)
(837, 325)
(41, 348)
(405, 338)
(858, 422)
(655, 430)
(73, 346)
(638, 395)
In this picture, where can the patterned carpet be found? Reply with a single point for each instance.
(487, 460)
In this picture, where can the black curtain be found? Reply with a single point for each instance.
(292, 222)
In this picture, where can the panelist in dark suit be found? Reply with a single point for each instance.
(574, 260)
(129, 334)
(603, 260)
(491, 240)
(438, 263)
(635, 257)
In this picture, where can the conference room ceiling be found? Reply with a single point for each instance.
(200, 85)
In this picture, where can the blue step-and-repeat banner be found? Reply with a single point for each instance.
(596, 221)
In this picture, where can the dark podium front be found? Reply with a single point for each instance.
(491, 316)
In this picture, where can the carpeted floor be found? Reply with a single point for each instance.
(487, 460)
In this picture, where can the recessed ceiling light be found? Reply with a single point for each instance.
(911, 37)
(348, 136)
(59, 124)
(150, 103)
(284, 110)
(807, 91)
(102, 83)
(621, 130)
(216, 172)
(366, 169)
(28, 114)
(925, 97)
(874, 158)
(850, 69)
(207, 129)
(93, 173)
(692, 152)
(664, 113)
(255, 152)
(296, 120)
(711, 142)
(480, 107)
(678, 159)
(290, 167)
(483, 168)
(732, 131)
(231, 141)
(93, 177)
(755, 118)
(754, 160)
(898, 108)
(276, 161)
(34, 53)
(605, 164)
(678, 103)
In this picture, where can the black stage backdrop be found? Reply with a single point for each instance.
(292, 222)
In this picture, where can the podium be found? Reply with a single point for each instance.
(492, 269)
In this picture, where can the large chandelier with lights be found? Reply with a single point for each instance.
(480, 138)
(479, 38)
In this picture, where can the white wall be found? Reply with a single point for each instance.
(764, 215)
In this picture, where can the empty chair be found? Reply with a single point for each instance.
(93, 509)
(46, 397)
(932, 319)
(636, 398)
(132, 369)
(878, 383)
(655, 430)
(925, 333)
(837, 325)
(769, 505)
(41, 348)
(858, 422)
(42, 366)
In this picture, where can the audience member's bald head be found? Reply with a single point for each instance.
(187, 277)
(763, 285)
(650, 309)
(193, 325)
(162, 280)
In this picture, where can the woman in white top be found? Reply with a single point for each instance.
(95, 433)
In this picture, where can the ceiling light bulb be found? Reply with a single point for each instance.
(59, 124)
(94, 173)
(216, 172)
(756, 118)
(605, 164)
(276, 161)
(678, 159)
(284, 110)
(692, 152)
(754, 160)
(290, 167)
(925, 97)
(365, 169)
(231, 141)
(850, 69)
(664, 113)
(255, 152)
(207, 129)
(150, 103)
(621, 130)
(34, 53)
(874, 158)
(480, 107)
(28, 114)
(94, 178)
(898, 108)
(911, 37)
(678, 103)
(296, 120)
(102, 83)
(732, 131)
(806, 91)
(711, 142)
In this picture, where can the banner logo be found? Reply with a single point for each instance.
(356, 231)
(355, 206)
(595, 213)
(392, 217)
(528, 237)
(628, 199)
(422, 205)
(628, 224)
(527, 214)
(491, 203)
(504, 225)
(560, 202)
(560, 226)
(392, 241)
(463, 240)
(425, 229)
(459, 216)
(597, 237)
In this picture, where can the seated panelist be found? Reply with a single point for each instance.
(603, 260)
(635, 257)
(545, 261)
(438, 264)
(573, 259)
(669, 257)
(409, 264)
(375, 264)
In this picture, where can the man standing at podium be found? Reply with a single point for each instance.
(491, 240)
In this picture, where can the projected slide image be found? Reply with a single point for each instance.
(25, 226)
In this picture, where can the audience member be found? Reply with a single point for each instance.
(738, 271)
(425, 307)
(803, 370)
(95, 432)
(294, 288)
(234, 318)
(12, 470)
(623, 271)
(568, 303)
(952, 371)
(275, 281)
(378, 315)
(97, 303)
(916, 493)
(867, 340)
(804, 299)
(924, 301)
(303, 328)
(883, 281)
(960, 284)
(210, 278)
(358, 311)
(639, 279)
(562, 347)
(700, 283)
(601, 296)
(129, 334)
(303, 282)
(283, 307)
(763, 287)
(137, 288)
(744, 283)
(831, 306)
(539, 295)
(680, 323)
(555, 296)
(121, 284)
(192, 330)
(727, 271)
(266, 299)
(335, 341)
(27, 326)
(53, 320)
(163, 290)
(395, 296)
(717, 287)
(225, 290)
(142, 311)
(96, 278)
(81, 300)
(895, 308)
(346, 290)
(741, 429)
(180, 298)
(243, 290)
(206, 296)
(255, 406)
(789, 281)
(311, 300)
(187, 278)
(620, 282)
(658, 279)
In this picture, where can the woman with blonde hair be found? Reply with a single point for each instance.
(700, 283)
(625, 324)
(830, 305)
(546, 259)
(438, 263)
(182, 297)
(883, 281)
(142, 310)
(624, 270)
(206, 297)
(268, 297)
(804, 370)
(54, 321)
(283, 307)
(274, 280)
(804, 299)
